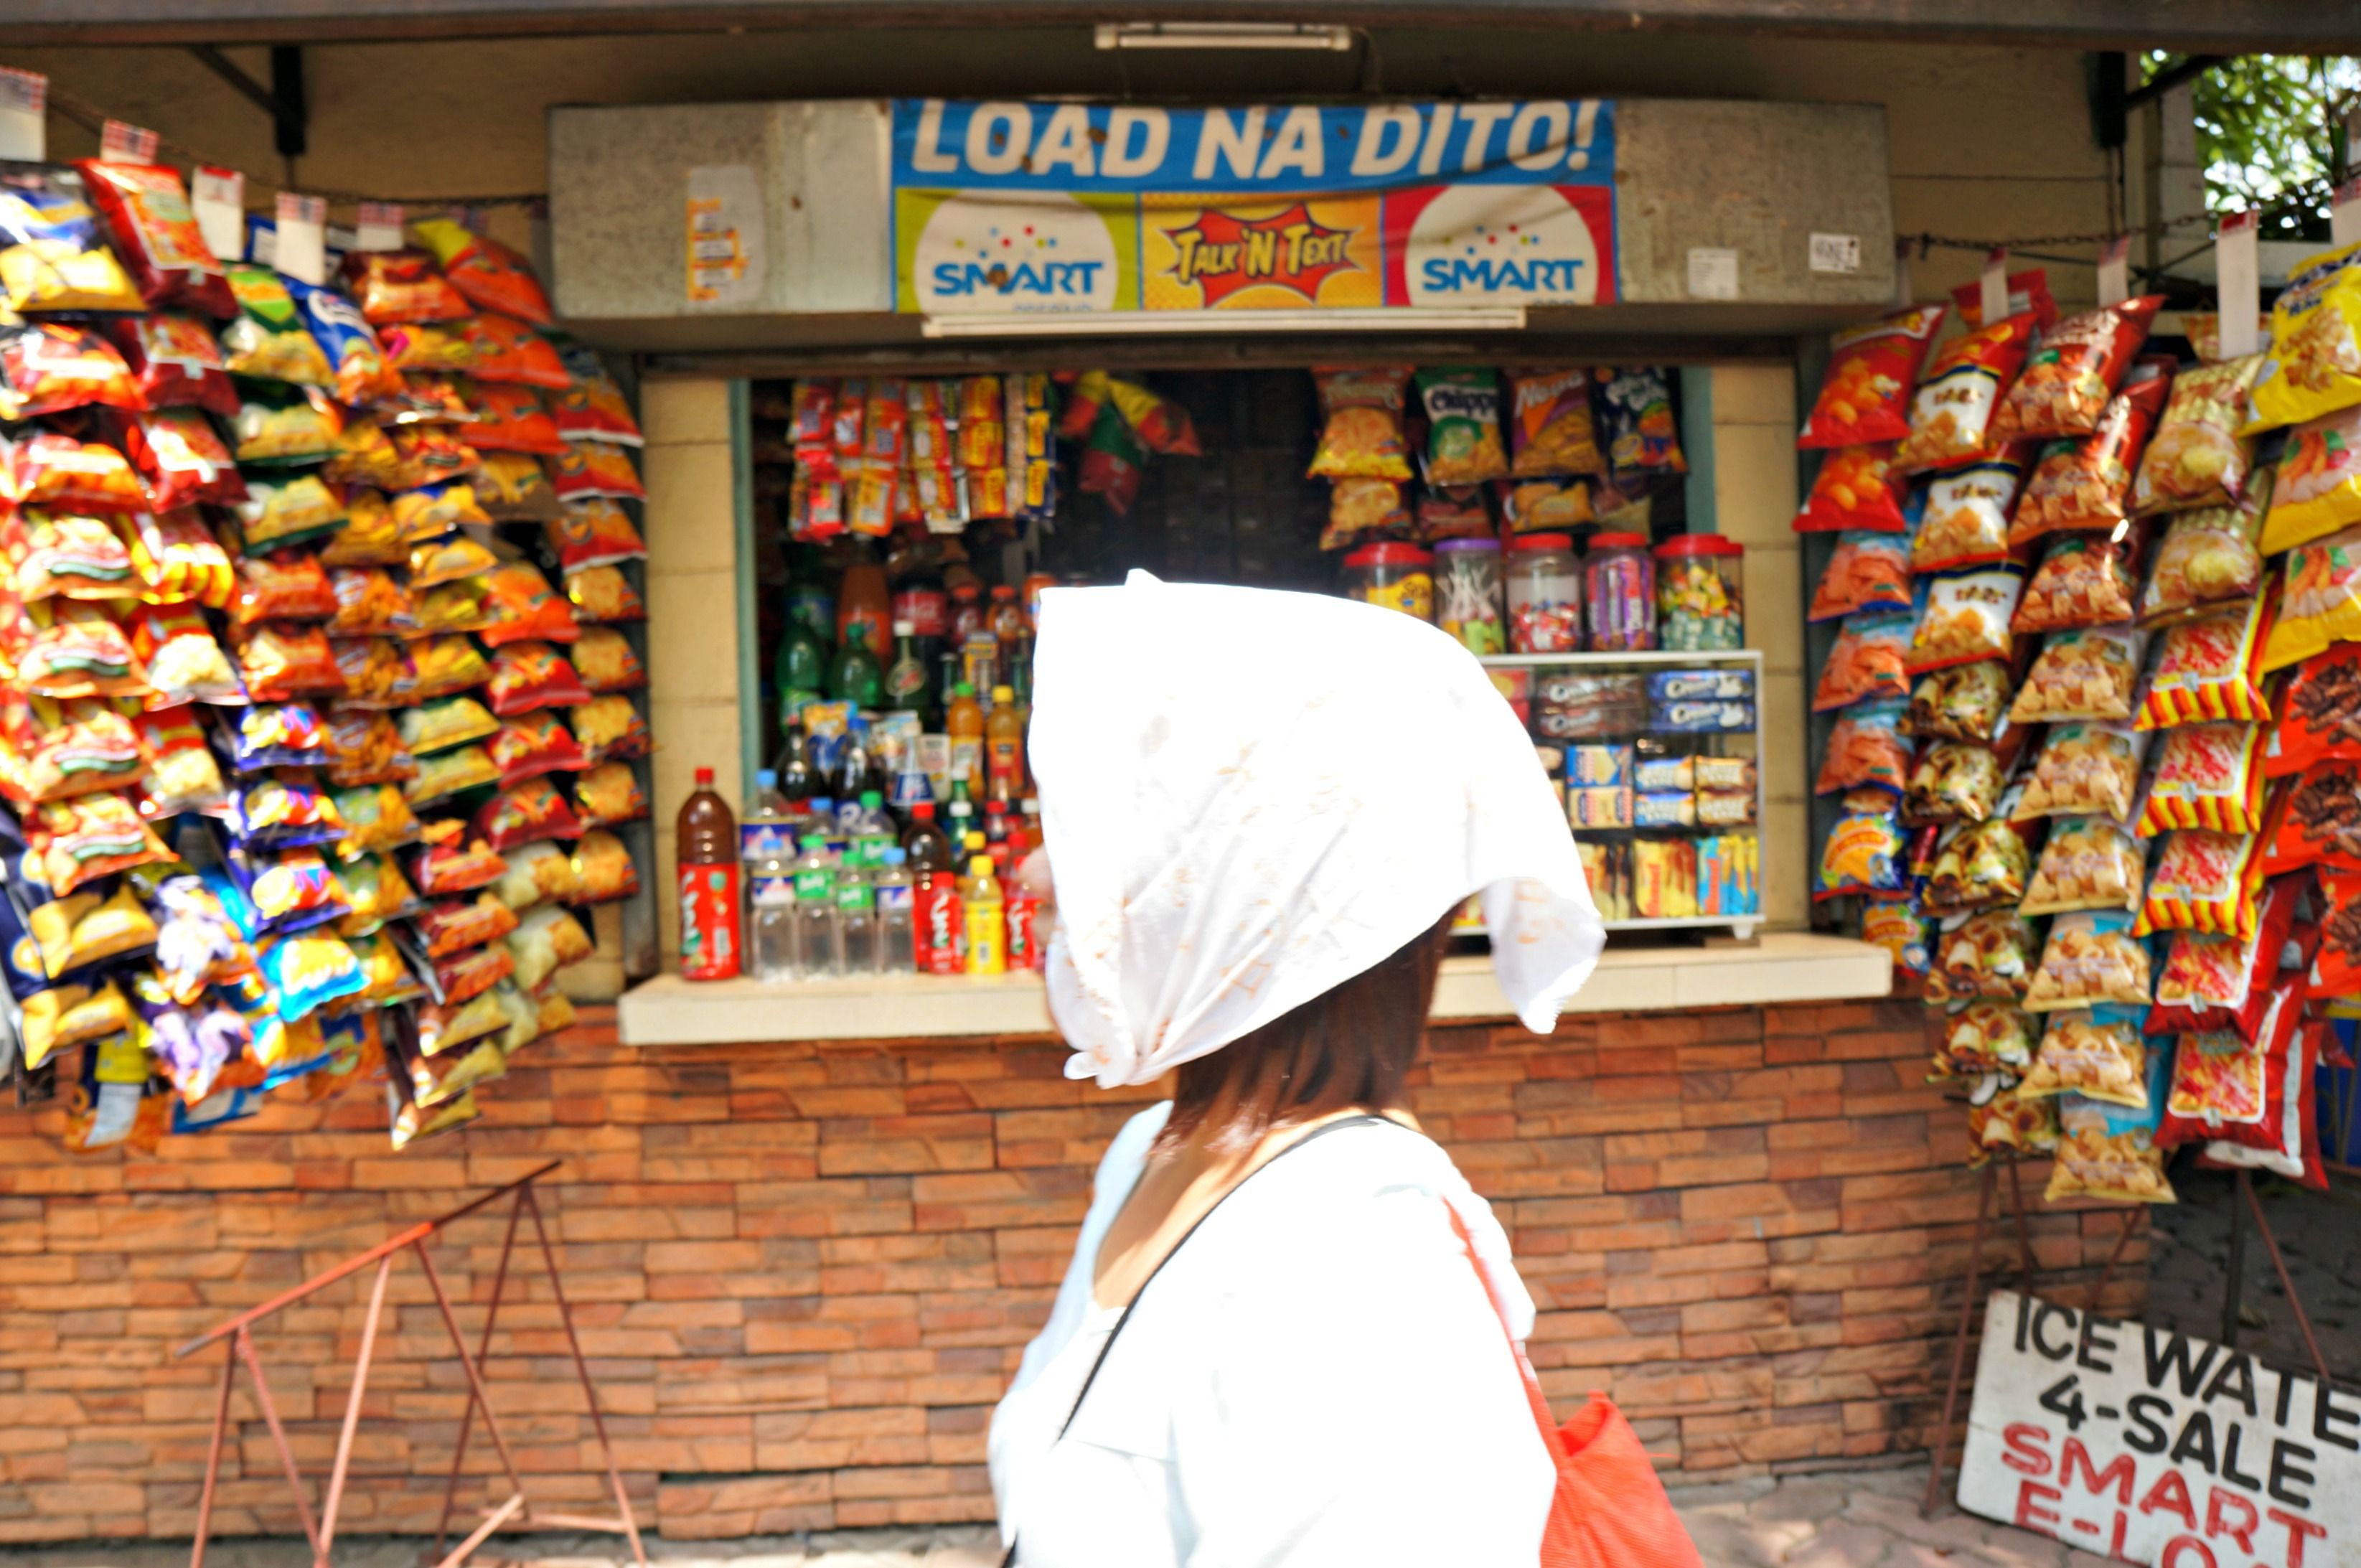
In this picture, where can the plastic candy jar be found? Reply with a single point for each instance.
(1618, 589)
(1399, 576)
(1700, 580)
(1545, 594)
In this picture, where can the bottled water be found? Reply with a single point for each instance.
(897, 949)
(766, 843)
(814, 919)
(856, 922)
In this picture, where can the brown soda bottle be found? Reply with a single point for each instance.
(711, 938)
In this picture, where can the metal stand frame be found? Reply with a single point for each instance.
(2246, 1203)
(516, 1508)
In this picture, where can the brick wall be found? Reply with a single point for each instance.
(803, 1273)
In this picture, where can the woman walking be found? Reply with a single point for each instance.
(1284, 1337)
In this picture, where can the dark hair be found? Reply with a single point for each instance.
(1350, 1047)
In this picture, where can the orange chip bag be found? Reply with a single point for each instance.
(2084, 580)
(2197, 459)
(1868, 663)
(50, 469)
(1865, 394)
(605, 661)
(370, 537)
(2086, 483)
(2087, 674)
(1857, 487)
(603, 594)
(1361, 436)
(2069, 380)
(395, 286)
(487, 273)
(1965, 521)
(1966, 618)
(1866, 748)
(596, 468)
(522, 607)
(596, 532)
(1952, 413)
(507, 350)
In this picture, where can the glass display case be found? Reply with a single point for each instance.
(1658, 759)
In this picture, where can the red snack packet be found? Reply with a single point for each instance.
(2069, 380)
(523, 607)
(2205, 880)
(48, 469)
(176, 557)
(2221, 1081)
(452, 862)
(1857, 487)
(530, 745)
(46, 367)
(2028, 291)
(155, 232)
(77, 841)
(529, 675)
(597, 468)
(594, 408)
(511, 419)
(2315, 819)
(2086, 483)
(2211, 981)
(1865, 394)
(290, 586)
(2289, 1145)
(469, 973)
(487, 273)
(2207, 775)
(596, 532)
(530, 810)
(2320, 714)
(2210, 668)
(397, 286)
(506, 350)
(281, 661)
(182, 459)
(1952, 413)
(175, 361)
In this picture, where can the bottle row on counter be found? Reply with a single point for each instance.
(2096, 693)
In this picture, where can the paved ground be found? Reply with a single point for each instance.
(2319, 1234)
(1857, 1519)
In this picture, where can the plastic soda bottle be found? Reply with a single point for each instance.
(963, 722)
(987, 930)
(1003, 746)
(710, 940)
(816, 954)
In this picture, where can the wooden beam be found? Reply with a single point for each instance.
(2218, 26)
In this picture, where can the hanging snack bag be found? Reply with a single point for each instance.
(180, 460)
(529, 675)
(396, 286)
(52, 257)
(530, 745)
(2084, 580)
(2099, 1054)
(2206, 558)
(1965, 521)
(75, 842)
(2319, 820)
(1868, 663)
(2069, 380)
(511, 419)
(450, 607)
(1161, 424)
(604, 660)
(2089, 862)
(2197, 459)
(1857, 487)
(489, 274)
(436, 509)
(359, 371)
(1866, 748)
(175, 558)
(1463, 425)
(2205, 882)
(50, 750)
(376, 672)
(370, 603)
(288, 585)
(1361, 435)
(601, 468)
(2207, 775)
(2028, 293)
(603, 594)
(2320, 716)
(2315, 357)
(277, 662)
(2287, 1144)
(439, 726)
(277, 426)
(2320, 600)
(65, 556)
(522, 607)
(1966, 617)
(532, 810)
(149, 217)
(1977, 865)
(369, 537)
(1954, 781)
(2221, 1081)
(1897, 925)
(1865, 572)
(2084, 673)
(364, 747)
(2084, 483)
(277, 512)
(2209, 669)
(184, 663)
(365, 454)
(72, 648)
(2318, 485)
(1865, 394)
(1952, 411)
(1987, 954)
(430, 454)
(2086, 769)
(594, 408)
(1363, 509)
(268, 340)
(46, 367)
(1966, 702)
(46, 468)
(448, 774)
(2091, 958)
(609, 794)
(377, 818)
(172, 357)
(594, 533)
(610, 726)
(1983, 1037)
(1635, 408)
(1551, 431)
(1544, 505)
(500, 349)
(2108, 1152)
(1866, 852)
(2211, 982)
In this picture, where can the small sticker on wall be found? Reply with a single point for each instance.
(1836, 253)
(1713, 273)
(724, 236)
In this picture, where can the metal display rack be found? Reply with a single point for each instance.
(1742, 926)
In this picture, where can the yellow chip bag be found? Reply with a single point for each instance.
(2315, 359)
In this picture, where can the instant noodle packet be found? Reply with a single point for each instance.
(1865, 394)
(1856, 487)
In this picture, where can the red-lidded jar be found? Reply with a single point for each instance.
(1700, 583)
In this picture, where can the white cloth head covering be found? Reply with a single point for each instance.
(1248, 797)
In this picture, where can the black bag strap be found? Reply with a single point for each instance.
(1009, 1559)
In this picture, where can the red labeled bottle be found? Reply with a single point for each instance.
(710, 940)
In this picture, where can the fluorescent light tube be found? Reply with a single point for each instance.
(1222, 35)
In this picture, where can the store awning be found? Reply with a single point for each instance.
(2211, 25)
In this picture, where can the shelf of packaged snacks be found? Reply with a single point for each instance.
(1608, 661)
(1789, 966)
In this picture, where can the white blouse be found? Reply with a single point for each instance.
(1315, 1378)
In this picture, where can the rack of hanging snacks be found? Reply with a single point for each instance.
(310, 765)
(2090, 723)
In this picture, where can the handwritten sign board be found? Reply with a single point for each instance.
(2143, 1444)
